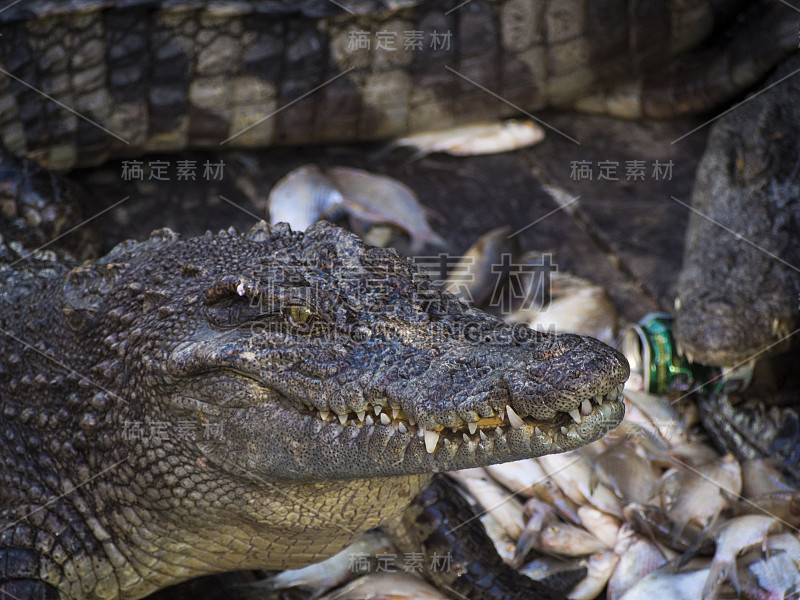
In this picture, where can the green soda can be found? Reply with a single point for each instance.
(653, 355)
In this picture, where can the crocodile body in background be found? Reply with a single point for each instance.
(739, 289)
(195, 74)
(164, 76)
(339, 380)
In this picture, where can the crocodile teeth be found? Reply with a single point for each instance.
(369, 420)
(564, 430)
(385, 420)
(537, 432)
(343, 419)
(576, 415)
(395, 412)
(586, 407)
(431, 439)
(513, 418)
(472, 427)
(377, 408)
(483, 436)
(401, 428)
(466, 439)
(325, 414)
(360, 414)
(411, 421)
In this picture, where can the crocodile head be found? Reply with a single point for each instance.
(327, 359)
(319, 373)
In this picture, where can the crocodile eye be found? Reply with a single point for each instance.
(299, 316)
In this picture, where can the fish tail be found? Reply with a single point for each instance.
(718, 572)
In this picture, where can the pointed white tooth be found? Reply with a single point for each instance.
(401, 428)
(411, 421)
(776, 325)
(689, 356)
(677, 303)
(369, 420)
(537, 432)
(385, 420)
(395, 412)
(514, 419)
(564, 430)
(325, 414)
(600, 399)
(586, 407)
(502, 414)
(576, 415)
(431, 439)
(377, 408)
(472, 427)
(342, 419)
(361, 414)
(483, 436)
(465, 437)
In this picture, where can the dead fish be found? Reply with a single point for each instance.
(578, 307)
(519, 476)
(764, 490)
(568, 540)
(549, 492)
(499, 503)
(334, 571)
(539, 514)
(503, 543)
(665, 583)
(379, 199)
(551, 567)
(473, 139)
(698, 494)
(654, 523)
(661, 413)
(626, 472)
(572, 472)
(760, 477)
(386, 586)
(600, 566)
(638, 557)
(601, 525)
(479, 273)
(733, 537)
(302, 197)
(775, 576)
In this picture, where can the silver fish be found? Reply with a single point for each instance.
(568, 540)
(600, 566)
(734, 536)
(519, 476)
(664, 583)
(373, 198)
(775, 576)
(302, 197)
(478, 274)
(698, 494)
(638, 557)
(572, 472)
(628, 473)
(334, 571)
(579, 306)
(472, 139)
(601, 525)
(499, 503)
